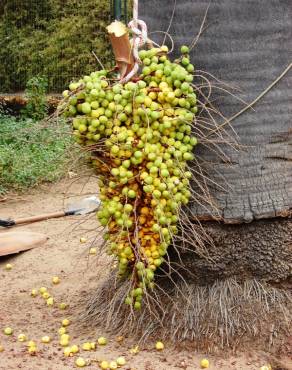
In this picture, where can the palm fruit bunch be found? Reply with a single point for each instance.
(140, 137)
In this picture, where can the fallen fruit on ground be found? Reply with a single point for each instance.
(56, 280)
(121, 361)
(80, 362)
(63, 306)
(92, 251)
(83, 240)
(22, 337)
(8, 331)
(43, 290)
(104, 365)
(204, 363)
(46, 339)
(34, 293)
(113, 365)
(159, 346)
(65, 322)
(102, 341)
(86, 346)
(50, 301)
(8, 266)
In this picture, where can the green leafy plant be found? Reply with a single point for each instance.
(52, 38)
(37, 107)
(31, 153)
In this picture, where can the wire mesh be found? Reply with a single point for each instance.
(53, 39)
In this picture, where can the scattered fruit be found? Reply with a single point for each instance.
(92, 251)
(134, 350)
(102, 341)
(68, 351)
(62, 330)
(113, 365)
(204, 363)
(56, 280)
(8, 331)
(266, 367)
(32, 350)
(65, 322)
(8, 266)
(80, 362)
(46, 339)
(86, 346)
(42, 290)
(104, 365)
(93, 345)
(34, 293)
(46, 295)
(74, 348)
(159, 346)
(22, 338)
(121, 361)
(63, 306)
(83, 240)
(31, 343)
(50, 301)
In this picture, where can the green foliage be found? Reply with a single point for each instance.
(35, 92)
(31, 154)
(52, 38)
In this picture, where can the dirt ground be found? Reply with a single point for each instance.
(63, 255)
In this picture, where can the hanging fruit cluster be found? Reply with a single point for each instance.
(140, 137)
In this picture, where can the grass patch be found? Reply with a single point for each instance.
(31, 152)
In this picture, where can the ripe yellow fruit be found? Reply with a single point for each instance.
(113, 365)
(8, 331)
(204, 363)
(50, 301)
(83, 240)
(64, 340)
(46, 295)
(63, 306)
(80, 362)
(46, 339)
(92, 251)
(121, 361)
(62, 330)
(74, 348)
(32, 350)
(104, 365)
(266, 367)
(65, 322)
(68, 351)
(86, 346)
(31, 343)
(102, 341)
(93, 345)
(22, 337)
(159, 346)
(56, 280)
(34, 293)
(8, 266)
(42, 290)
(134, 350)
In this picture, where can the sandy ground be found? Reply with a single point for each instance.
(64, 256)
